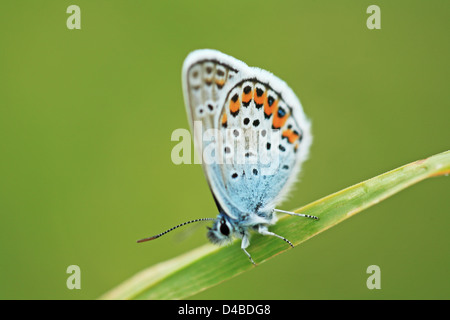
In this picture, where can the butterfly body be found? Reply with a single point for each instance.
(251, 135)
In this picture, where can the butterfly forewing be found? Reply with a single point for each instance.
(207, 75)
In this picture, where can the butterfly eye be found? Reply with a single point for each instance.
(224, 228)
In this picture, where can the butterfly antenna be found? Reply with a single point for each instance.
(296, 214)
(173, 228)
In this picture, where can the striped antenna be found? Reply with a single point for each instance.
(173, 228)
(296, 214)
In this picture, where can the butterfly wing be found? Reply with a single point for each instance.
(206, 76)
(263, 113)
(264, 133)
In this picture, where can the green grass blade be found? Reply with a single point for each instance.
(208, 265)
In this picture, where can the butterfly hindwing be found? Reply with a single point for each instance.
(263, 141)
(264, 135)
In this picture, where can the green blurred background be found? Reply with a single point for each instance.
(86, 119)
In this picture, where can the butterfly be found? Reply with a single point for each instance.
(252, 136)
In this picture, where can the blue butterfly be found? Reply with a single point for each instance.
(252, 134)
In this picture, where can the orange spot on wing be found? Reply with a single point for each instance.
(268, 110)
(224, 118)
(291, 135)
(234, 106)
(246, 97)
(278, 121)
(260, 99)
(220, 82)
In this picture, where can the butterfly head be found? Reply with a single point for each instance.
(222, 230)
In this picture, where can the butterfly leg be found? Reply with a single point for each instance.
(244, 244)
(265, 232)
(297, 214)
